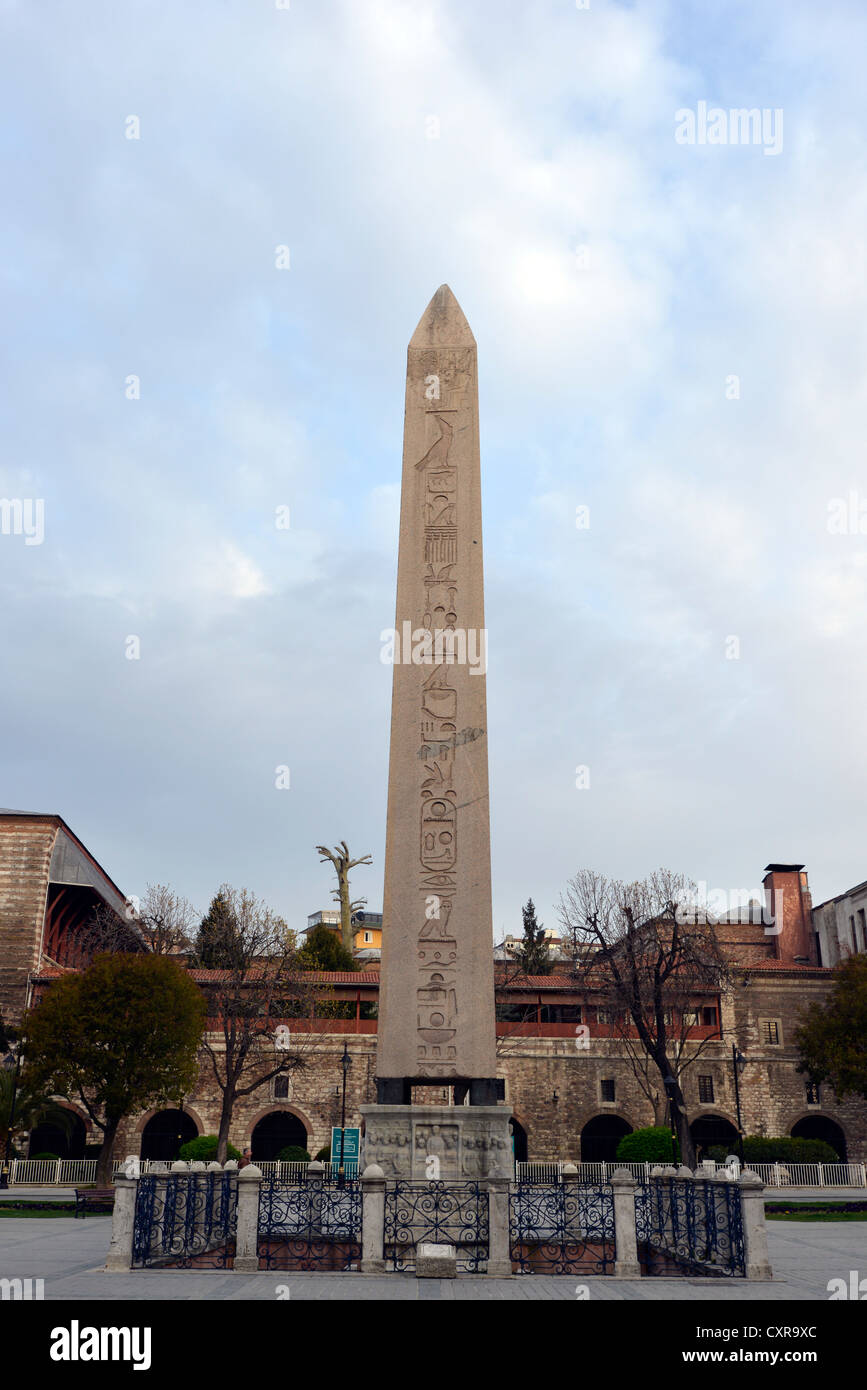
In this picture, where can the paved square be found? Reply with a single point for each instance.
(68, 1255)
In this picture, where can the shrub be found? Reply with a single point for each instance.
(324, 1154)
(204, 1149)
(758, 1149)
(293, 1153)
(54, 1156)
(651, 1145)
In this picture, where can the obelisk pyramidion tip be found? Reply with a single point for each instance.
(443, 324)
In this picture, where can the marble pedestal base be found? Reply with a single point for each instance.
(429, 1142)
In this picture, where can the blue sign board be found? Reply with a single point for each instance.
(351, 1145)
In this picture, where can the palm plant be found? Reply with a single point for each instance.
(32, 1108)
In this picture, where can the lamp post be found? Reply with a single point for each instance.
(669, 1083)
(739, 1061)
(346, 1063)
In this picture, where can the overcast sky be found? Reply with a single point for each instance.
(672, 335)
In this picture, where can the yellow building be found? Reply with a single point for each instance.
(366, 929)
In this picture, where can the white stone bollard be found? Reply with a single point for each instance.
(626, 1264)
(499, 1252)
(119, 1256)
(247, 1236)
(372, 1219)
(756, 1258)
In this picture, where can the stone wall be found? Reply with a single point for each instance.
(773, 1092)
(25, 856)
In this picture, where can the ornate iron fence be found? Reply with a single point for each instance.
(312, 1225)
(442, 1213)
(565, 1228)
(684, 1225)
(185, 1220)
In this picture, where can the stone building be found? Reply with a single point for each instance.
(567, 1078)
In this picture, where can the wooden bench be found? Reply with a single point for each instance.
(93, 1199)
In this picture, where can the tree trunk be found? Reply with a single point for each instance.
(225, 1123)
(681, 1125)
(345, 909)
(103, 1163)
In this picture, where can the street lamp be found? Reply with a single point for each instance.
(739, 1061)
(669, 1083)
(346, 1063)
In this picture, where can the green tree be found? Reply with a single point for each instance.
(217, 946)
(532, 955)
(832, 1038)
(325, 950)
(121, 1037)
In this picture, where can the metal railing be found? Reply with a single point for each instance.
(73, 1172)
(76, 1172)
(772, 1174)
(690, 1227)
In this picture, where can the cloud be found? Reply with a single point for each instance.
(616, 283)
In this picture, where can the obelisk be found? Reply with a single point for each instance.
(436, 1004)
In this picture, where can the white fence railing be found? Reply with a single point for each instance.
(771, 1174)
(75, 1172)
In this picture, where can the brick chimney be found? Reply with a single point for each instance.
(788, 897)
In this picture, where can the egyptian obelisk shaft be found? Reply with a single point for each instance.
(436, 1010)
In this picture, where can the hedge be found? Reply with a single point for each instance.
(651, 1145)
(759, 1149)
(204, 1149)
(293, 1153)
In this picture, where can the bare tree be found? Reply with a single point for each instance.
(647, 956)
(167, 920)
(248, 1040)
(342, 862)
(161, 922)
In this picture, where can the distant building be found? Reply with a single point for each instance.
(840, 925)
(366, 930)
(50, 885)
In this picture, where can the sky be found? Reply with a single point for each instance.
(222, 224)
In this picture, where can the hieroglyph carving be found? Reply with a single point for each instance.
(436, 997)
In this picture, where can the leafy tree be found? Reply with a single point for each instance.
(832, 1038)
(342, 862)
(645, 953)
(258, 983)
(325, 951)
(217, 946)
(532, 955)
(120, 1036)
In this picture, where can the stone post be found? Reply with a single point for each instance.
(247, 1237)
(499, 1253)
(119, 1256)
(372, 1219)
(756, 1258)
(626, 1264)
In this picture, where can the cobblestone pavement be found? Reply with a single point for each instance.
(68, 1255)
